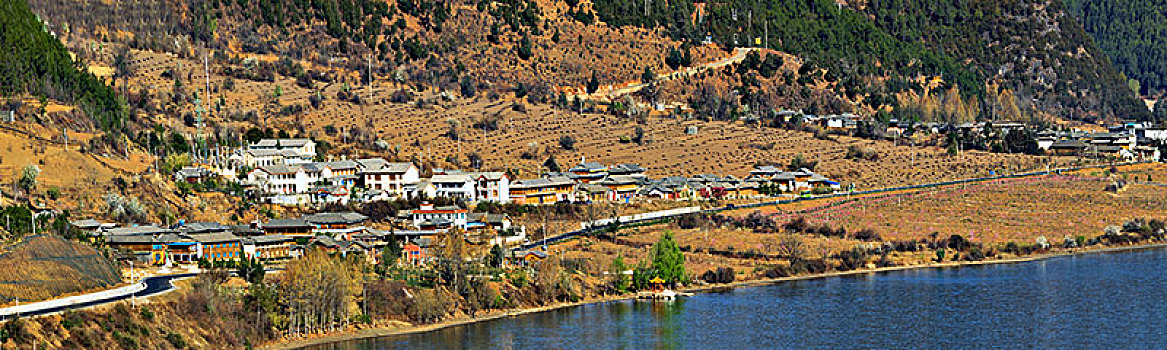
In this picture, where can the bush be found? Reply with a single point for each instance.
(720, 275)
(567, 142)
(958, 243)
(975, 253)
(809, 266)
(853, 259)
(867, 235)
(175, 339)
(15, 330)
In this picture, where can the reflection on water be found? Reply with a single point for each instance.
(1090, 301)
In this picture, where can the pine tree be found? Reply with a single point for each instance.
(667, 259)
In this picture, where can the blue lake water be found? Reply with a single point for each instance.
(1104, 300)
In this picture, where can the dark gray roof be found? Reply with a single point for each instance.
(378, 165)
(136, 231)
(286, 223)
(213, 237)
(202, 227)
(588, 166)
(270, 239)
(336, 218)
(626, 168)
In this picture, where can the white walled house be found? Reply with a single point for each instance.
(428, 217)
(280, 179)
(492, 186)
(379, 175)
(455, 186)
(303, 147)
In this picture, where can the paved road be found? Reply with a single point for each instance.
(154, 286)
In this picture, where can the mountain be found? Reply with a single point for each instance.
(1030, 47)
(1002, 59)
(34, 62)
(1133, 33)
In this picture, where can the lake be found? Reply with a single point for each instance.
(1101, 300)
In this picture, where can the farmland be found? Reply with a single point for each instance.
(993, 214)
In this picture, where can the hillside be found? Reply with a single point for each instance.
(1029, 47)
(34, 62)
(1133, 33)
(41, 267)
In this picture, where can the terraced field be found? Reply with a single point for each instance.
(717, 148)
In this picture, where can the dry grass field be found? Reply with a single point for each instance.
(1013, 210)
(993, 213)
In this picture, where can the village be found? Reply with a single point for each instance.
(283, 173)
(288, 172)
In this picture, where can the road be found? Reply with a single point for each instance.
(154, 286)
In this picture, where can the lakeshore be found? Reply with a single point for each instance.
(417, 329)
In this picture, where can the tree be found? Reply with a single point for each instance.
(800, 162)
(254, 134)
(26, 179)
(667, 259)
(390, 253)
(567, 142)
(251, 270)
(468, 88)
(648, 76)
(1135, 86)
(496, 256)
(593, 84)
(619, 279)
(524, 49)
(551, 164)
(792, 247)
(123, 64)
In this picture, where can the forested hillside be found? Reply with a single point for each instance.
(33, 62)
(1134, 34)
(1029, 47)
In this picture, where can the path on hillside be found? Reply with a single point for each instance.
(739, 54)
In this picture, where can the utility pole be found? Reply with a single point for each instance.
(370, 60)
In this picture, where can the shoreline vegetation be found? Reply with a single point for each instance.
(377, 332)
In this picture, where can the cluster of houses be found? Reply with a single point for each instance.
(342, 233)
(283, 171)
(1128, 142)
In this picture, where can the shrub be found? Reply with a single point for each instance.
(853, 259)
(175, 339)
(958, 243)
(720, 275)
(867, 235)
(567, 142)
(975, 253)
